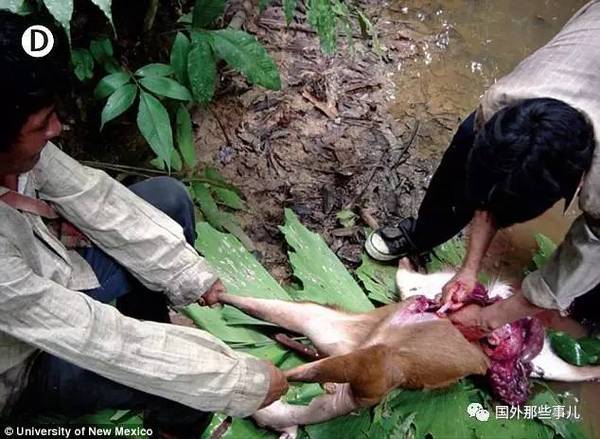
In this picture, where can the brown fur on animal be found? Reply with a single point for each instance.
(372, 352)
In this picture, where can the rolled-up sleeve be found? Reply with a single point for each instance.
(142, 238)
(179, 363)
(573, 270)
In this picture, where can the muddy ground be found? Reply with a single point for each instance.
(328, 140)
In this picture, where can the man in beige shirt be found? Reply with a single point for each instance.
(531, 142)
(63, 348)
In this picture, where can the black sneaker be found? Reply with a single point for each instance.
(389, 243)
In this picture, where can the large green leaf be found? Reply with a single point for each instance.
(105, 6)
(229, 198)
(324, 278)
(323, 19)
(110, 83)
(118, 103)
(179, 57)
(155, 69)
(244, 53)
(154, 124)
(202, 69)
(185, 136)
(102, 51)
(83, 64)
(546, 248)
(206, 12)
(378, 279)
(166, 87)
(62, 11)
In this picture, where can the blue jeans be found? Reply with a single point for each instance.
(59, 387)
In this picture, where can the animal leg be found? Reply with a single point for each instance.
(411, 283)
(327, 328)
(365, 370)
(281, 416)
(549, 366)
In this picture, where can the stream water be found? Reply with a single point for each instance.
(459, 48)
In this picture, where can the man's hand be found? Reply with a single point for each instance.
(471, 322)
(211, 297)
(278, 385)
(457, 290)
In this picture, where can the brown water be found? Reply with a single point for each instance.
(455, 49)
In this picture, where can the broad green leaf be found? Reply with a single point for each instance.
(449, 254)
(567, 429)
(154, 124)
(110, 83)
(546, 248)
(244, 53)
(324, 278)
(228, 198)
(202, 69)
(591, 346)
(102, 51)
(379, 279)
(216, 179)
(323, 19)
(83, 64)
(118, 103)
(567, 348)
(179, 57)
(176, 162)
(241, 273)
(210, 320)
(155, 69)
(239, 429)
(289, 7)
(346, 217)
(166, 87)
(206, 12)
(303, 394)
(105, 6)
(62, 11)
(185, 137)
(14, 6)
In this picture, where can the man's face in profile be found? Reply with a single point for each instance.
(39, 128)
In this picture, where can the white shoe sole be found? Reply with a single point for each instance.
(373, 241)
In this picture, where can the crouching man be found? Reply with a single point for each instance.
(72, 240)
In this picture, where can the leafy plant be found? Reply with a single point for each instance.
(580, 352)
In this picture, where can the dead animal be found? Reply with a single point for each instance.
(402, 345)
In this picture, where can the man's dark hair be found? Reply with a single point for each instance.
(527, 157)
(27, 84)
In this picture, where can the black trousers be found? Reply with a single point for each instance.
(445, 211)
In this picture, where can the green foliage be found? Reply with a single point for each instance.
(324, 278)
(154, 124)
(179, 57)
(185, 137)
(62, 11)
(346, 217)
(83, 64)
(206, 12)
(449, 254)
(102, 52)
(166, 87)
(110, 83)
(155, 69)
(546, 248)
(244, 53)
(378, 279)
(289, 7)
(202, 69)
(118, 103)
(582, 352)
(323, 19)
